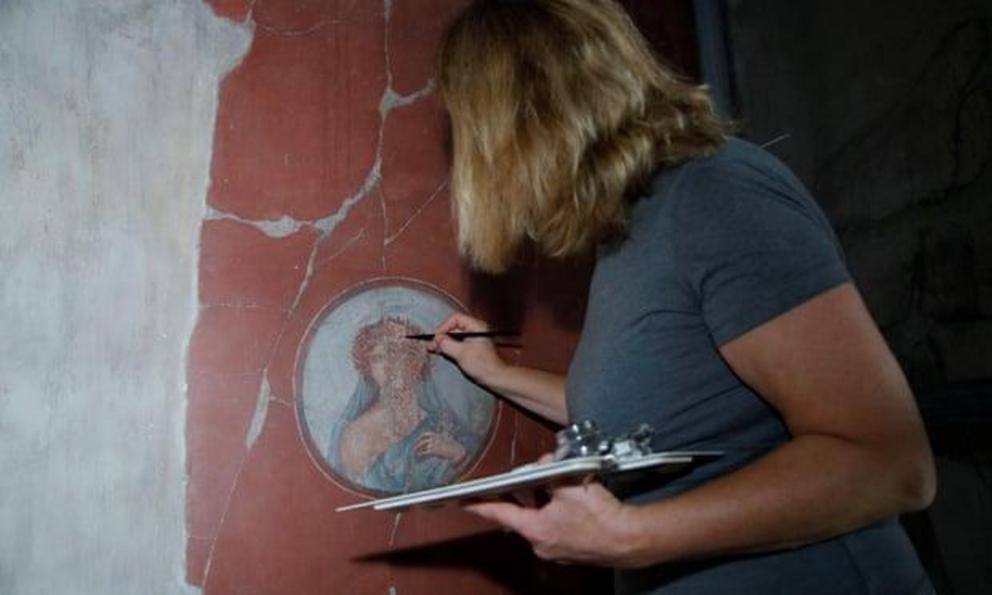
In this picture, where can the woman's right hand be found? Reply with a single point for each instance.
(476, 357)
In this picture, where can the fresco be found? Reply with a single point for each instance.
(381, 414)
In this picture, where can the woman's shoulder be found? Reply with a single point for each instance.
(739, 176)
(738, 164)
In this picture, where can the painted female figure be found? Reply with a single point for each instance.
(396, 434)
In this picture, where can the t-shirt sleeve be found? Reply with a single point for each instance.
(752, 245)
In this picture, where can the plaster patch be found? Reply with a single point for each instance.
(108, 110)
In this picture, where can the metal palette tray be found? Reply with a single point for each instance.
(534, 475)
(582, 451)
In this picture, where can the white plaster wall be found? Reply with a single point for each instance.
(107, 110)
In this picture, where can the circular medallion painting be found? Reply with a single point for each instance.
(383, 414)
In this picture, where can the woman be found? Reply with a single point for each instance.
(396, 435)
(720, 312)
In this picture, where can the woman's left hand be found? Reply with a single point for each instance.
(582, 523)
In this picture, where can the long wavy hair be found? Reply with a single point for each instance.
(560, 114)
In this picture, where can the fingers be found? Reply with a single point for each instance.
(547, 457)
(526, 498)
(511, 516)
(590, 493)
(456, 322)
(464, 322)
(450, 347)
(568, 485)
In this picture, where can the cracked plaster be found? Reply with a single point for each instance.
(356, 231)
(329, 170)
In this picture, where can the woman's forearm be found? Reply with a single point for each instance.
(813, 488)
(535, 390)
(859, 452)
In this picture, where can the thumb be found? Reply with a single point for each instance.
(451, 348)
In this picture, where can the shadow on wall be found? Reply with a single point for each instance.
(474, 554)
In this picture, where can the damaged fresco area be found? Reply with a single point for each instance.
(382, 414)
(329, 171)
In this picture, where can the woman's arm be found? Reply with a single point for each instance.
(535, 390)
(858, 454)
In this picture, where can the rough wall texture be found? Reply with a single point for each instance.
(888, 108)
(106, 119)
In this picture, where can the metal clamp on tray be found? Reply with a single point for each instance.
(584, 439)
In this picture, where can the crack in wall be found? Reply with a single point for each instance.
(226, 66)
(300, 32)
(344, 248)
(279, 228)
(390, 101)
(385, 226)
(234, 487)
(416, 213)
(396, 525)
(242, 306)
(277, 400)
(325, 226)
(261, 408)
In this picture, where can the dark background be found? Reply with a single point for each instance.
(884, 110)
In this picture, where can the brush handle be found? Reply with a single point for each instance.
(459, 335)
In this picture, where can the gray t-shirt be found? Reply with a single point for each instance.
(717, 247)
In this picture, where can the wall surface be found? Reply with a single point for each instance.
(106, 120)
(185, 187)
(329, 172)
(887, 108)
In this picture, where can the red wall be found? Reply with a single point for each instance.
(302, 138)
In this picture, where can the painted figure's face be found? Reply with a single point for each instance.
(378, 362)
(387, 357)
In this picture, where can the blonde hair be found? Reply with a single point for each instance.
(560, 114)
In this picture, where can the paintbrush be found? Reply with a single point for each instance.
(459, 335)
